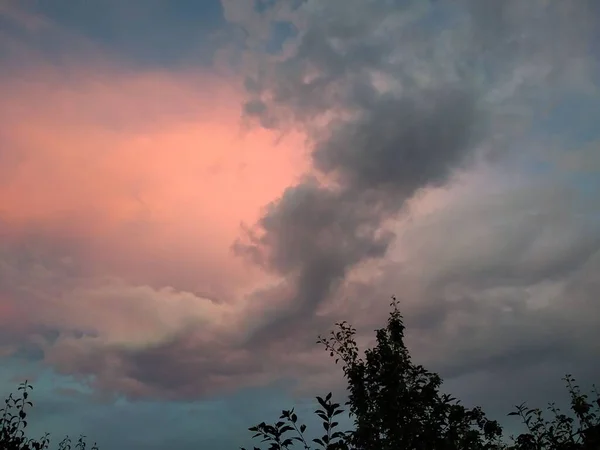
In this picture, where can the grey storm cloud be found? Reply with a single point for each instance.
(393, 100)
(316, 233)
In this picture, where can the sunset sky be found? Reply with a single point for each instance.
(192, 190)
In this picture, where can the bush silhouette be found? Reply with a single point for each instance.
(579, 431)
(13, 422)
(396, 404)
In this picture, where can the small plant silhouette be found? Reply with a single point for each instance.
(13, 422)
(276, 435)
(580, 430)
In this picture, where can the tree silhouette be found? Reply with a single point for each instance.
(396, 404)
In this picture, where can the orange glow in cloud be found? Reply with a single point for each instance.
(149, 171)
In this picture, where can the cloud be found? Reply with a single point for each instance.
(411, 103)
(315, 233)
(497, 280)
(389, 113)
(121, 194)
(431, 174)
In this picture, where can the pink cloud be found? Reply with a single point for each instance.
(121, 195)
(152, 164)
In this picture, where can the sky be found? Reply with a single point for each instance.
(192, 191)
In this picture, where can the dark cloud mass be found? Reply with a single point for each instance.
(394, 146)
(395, 99)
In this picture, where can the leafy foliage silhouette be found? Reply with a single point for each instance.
(13, 422)
(579, 431)
(396, 404)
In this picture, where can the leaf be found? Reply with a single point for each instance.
(322, 416)
(322, 402)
